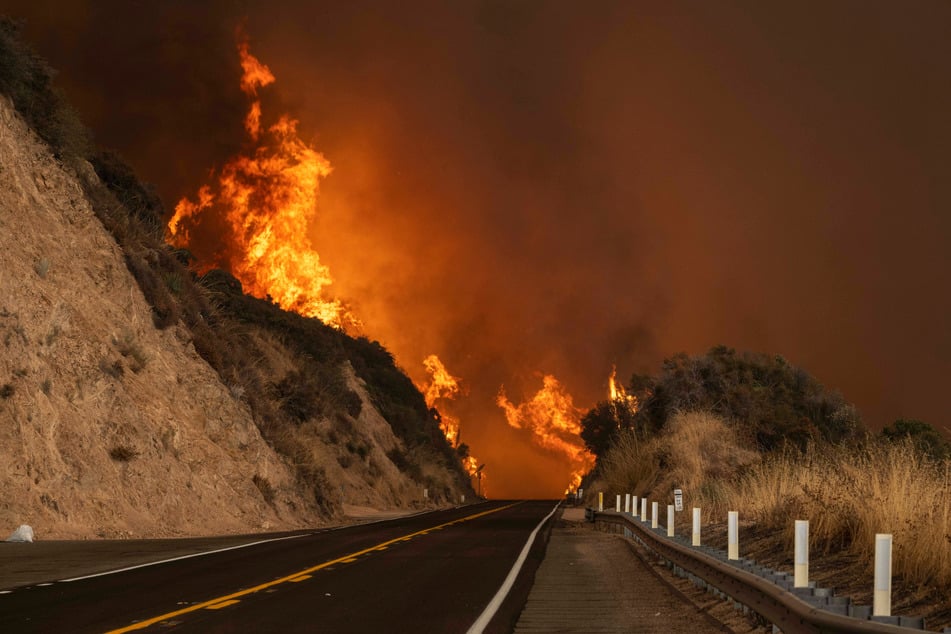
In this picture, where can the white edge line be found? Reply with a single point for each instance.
(499, 597)
(165, 561)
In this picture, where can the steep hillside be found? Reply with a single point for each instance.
(137, 398)
(108, 426)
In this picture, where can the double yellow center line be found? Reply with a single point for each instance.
(234, 597)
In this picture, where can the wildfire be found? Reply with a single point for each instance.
(444, 386)
(266, 199)
(555, 424)
(617, 393)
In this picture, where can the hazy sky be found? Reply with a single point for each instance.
(554, 187)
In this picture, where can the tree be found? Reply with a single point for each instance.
(926, 438)
(770, 401)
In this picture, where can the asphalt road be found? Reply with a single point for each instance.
(434, 572)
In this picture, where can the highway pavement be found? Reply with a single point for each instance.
(433, 572)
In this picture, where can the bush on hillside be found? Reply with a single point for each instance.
(923, 437)
(27, 79)
(771, 402)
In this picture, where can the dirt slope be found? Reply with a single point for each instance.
(108, 426)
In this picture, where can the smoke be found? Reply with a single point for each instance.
(554, 188)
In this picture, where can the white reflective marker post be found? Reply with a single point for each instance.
(627, 502)
(670, 520)
(633, 505)
(643, 509)
(882, 599)
(617, 504)
(653, 514)
(801, 556)
(733, 520)
(696, 527)
(600, 501)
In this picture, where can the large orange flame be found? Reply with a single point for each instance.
(443, 386)
(267, 198)
(555, 424)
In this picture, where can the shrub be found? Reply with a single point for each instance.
(769, 402)
(28, 80)
(264, 486)
(7, 390)
(923, 436)
(123, 453)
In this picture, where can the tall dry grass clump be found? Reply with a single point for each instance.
(850, 494)
(697, 452)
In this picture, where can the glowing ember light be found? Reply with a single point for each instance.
(266, 198)
(555, 424)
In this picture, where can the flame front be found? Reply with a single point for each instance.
(444, 386)
(266, 198)
(555, 424)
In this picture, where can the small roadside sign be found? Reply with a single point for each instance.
(678, 500)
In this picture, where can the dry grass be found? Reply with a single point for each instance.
(848, 494)
(697, 452)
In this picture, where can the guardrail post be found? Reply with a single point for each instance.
(617, 503)
(733, 531)
(600, 501)
(670, 520)
(654, 514)
(696, 527)
(882, 600)
(643, 509)
(801, 558)
(633, 505)
(627, 502)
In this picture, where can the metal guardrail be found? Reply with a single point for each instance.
(779, 606)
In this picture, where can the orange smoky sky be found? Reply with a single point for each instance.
(532, 189)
